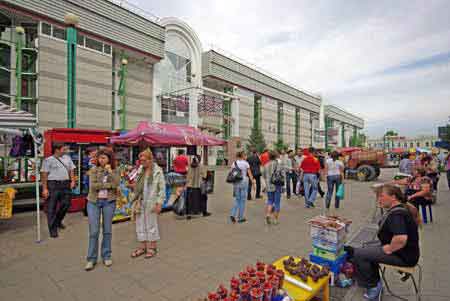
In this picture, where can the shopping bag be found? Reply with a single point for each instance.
(179, 205)
(340, 192)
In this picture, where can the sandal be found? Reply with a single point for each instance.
(138, 252)
(151, 252)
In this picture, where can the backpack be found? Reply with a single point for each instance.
(235, 174)
(277, 177)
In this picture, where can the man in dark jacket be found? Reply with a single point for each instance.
(255, 166)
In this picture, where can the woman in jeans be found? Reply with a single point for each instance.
(273, 204)
(103, 187)
(334, 169)
(240, 188)
(149, 192)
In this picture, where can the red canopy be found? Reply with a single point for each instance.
(398, 150)
(164, 134)
(350, 149)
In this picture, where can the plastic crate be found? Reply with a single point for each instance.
(6, 204)
(332, 235)
(334, 265)
(327, 245)
(327, 254)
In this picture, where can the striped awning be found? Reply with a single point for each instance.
(12, 119)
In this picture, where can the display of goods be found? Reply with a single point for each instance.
(280, 275)
(304, 269)
(267, 288)
(260, 266)
(327, 254)
(327, 245)
(327, 229)
(348, 269)
(244, 277)
(245, 291)
(251, 271)
(261, 276)
(256, 294)
(213, 296)
(234, 284)
(333, 265)
(222, 291)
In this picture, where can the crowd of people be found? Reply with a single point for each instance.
(294, 174)
(284, 172)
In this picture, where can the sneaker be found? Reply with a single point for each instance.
(312, 205)
(232, 219)
(108, 262)
(268, 221)
(89, 266)
(276, 222)
(54, 234)
(242, 220)
(62, 227)
(307, 206)
(374, 292)
(205, 214)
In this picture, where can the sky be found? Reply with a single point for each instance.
(385, 61)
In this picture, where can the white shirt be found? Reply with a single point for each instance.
(57, 171)
(334, 167)
(243, 166)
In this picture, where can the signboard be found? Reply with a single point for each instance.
(333, 135)
(443, 132)
(318, 135)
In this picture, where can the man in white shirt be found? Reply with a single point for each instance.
(58, 180)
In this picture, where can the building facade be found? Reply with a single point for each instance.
(73, 76)
(406, 143)
(98, 64)
(340, 126)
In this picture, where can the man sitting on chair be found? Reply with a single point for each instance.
(399, 239)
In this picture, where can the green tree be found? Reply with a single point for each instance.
(391, 133)
(279, 145)
(256, 140)
(358, 141)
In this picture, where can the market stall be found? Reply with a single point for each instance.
(11, 119)
(160, 137)
(83, 144)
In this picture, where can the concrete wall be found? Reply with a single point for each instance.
(305, 128)
(269, 120)
(94, 82)
(139, 91)
(52, 83)
(245, 119)
(289, 125)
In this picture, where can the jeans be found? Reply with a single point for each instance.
(258, 188)
(106, 209)
(59, 192)
(291, 177)
(274, 199)
(366, 261)
(240, 194)
(333, 183)
(310, 184)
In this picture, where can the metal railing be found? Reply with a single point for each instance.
(136, 10)
(260, 70)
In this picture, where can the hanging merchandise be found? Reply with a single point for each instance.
(17, 147)
(28, 145)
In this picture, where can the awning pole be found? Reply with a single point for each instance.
(38, 203)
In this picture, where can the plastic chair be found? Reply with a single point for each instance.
(408, 274)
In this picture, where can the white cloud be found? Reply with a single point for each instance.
(334, 48)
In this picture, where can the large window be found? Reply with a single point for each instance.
(175, 109)
(82, 41)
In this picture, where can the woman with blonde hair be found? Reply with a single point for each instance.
(148, 197)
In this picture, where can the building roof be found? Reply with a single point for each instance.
(341, 115)
(13, 119)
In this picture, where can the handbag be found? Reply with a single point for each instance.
(235, 174)
(277, 177)
(341, 192)
(179, 205)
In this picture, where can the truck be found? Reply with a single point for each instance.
(363, 164)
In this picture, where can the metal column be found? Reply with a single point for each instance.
(71, 33)
(123, 73)
(19, 46)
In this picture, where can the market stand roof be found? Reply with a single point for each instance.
(163, 134)
(12, 119)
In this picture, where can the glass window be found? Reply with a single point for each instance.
(46, 29)
(406, 144)
(93, 44)
(107, 48)
(427, 144)
(59, 33)
(80, 39)
(418, 144)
